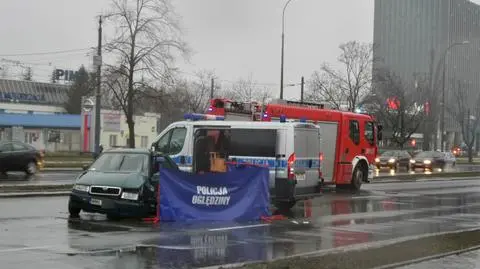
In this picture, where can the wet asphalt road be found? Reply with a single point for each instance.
(36, 231)
(68, 177)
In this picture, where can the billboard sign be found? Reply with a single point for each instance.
(111, 122)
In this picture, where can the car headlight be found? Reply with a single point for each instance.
(427, 162)
(392, 160)
(412, 161)
(377, 160)
(130, 195)
(79, 187)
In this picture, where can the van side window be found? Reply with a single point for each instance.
(355, 131)
(251, 142)
(177, 140)
(369, 132)
(172, 142)
(162, 144)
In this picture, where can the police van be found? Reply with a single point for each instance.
(291, 150)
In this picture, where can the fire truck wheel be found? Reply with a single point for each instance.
(357, 178)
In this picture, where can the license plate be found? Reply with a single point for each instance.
(300, 176)
(96, 201)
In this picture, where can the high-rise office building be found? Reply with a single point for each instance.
(417, 38)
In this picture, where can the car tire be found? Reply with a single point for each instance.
(73, 211)
(31, 168)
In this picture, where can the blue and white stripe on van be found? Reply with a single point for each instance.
(272, 163)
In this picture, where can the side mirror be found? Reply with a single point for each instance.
(85, 167)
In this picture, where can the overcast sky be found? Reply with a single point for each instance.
(233, 37)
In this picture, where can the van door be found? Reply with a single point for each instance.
(307, 149)
(174, 143)
(328, 147)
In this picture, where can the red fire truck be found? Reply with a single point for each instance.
(348, 140)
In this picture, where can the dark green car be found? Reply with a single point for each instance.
(120, 183)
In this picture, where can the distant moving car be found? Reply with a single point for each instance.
(20, 157)
(120, 183)
(429, 160)
(394, 159)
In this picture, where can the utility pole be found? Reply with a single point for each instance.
(283, 48)
(301, 90)
(98, 93)
(212, 88)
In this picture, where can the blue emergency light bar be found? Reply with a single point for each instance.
(195, 117)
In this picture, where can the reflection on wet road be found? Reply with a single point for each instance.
(449, 169)
(36, 231)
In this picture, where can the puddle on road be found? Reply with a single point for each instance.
(95, 227)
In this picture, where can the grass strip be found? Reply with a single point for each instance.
(34, 188)
(378, 256)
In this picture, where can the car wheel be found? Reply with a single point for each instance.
(31, 168)
(73, 211)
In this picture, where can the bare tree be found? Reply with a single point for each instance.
(4, 71)
(246, 90)
(345, 87)
(323, 89)
(146, 40)
(466, 112)
(28, 74)
(198, 91)
(398, 105)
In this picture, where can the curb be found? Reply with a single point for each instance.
(33, 194)
(351, 248)
(428, 258)
(61, 169)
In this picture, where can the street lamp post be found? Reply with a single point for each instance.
(283, 45)
(442, 121)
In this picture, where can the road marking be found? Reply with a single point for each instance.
(237, 227)
(25, 248)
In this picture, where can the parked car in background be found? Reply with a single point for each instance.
(17, 156)
(394, 159)
(120, 183)
(429, 160)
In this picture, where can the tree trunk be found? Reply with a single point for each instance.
(470, 154)
(130, 121)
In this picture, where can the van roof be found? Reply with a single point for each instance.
(257, 124)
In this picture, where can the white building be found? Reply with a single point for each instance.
(34, 112)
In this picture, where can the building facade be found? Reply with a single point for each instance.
(34, 113)
(414, 39)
